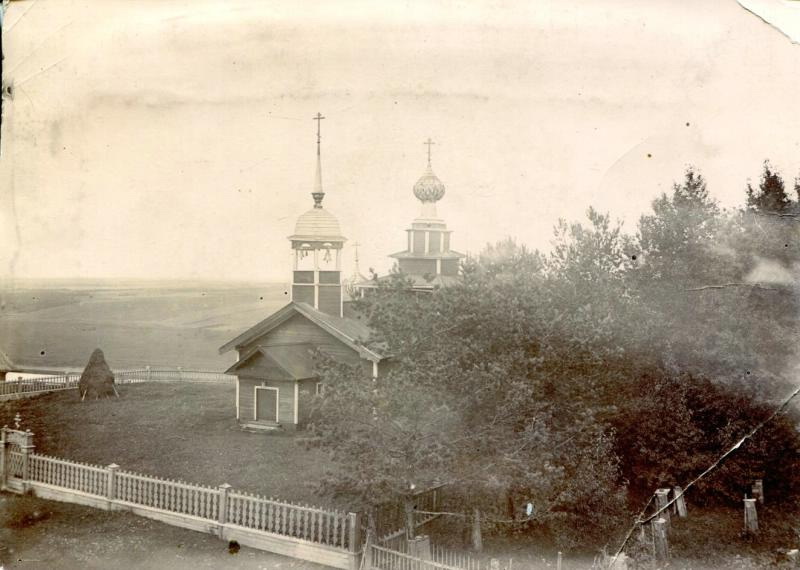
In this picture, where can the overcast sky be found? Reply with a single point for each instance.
(174, 139)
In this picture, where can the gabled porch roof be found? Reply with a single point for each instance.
(280, 362)
(351, 332)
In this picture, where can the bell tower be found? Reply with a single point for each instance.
(317, 251)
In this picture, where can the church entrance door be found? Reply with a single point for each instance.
(266, 404)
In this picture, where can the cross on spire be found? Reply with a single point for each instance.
(318, 119)
(429, 142)
(318, 194)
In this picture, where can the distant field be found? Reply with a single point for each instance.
(58, 325)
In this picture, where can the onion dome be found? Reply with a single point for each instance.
(429, 188)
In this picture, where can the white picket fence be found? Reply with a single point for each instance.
(325, 536)
(329, 527)
(382, 558)
(11, 389)
(176, 374)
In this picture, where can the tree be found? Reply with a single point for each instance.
(771, 196)
(565, 379)
(472, 399)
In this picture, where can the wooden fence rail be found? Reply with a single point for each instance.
(15, 388)
(455, 559)
(390, 517)
(11, 389)
(320, 535)
(83, 477)
(332, 528)
(381, 558)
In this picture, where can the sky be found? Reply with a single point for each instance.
(174, 139)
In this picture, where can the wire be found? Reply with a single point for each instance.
(465, 516)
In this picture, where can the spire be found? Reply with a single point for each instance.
(357, 269)
(318, 194)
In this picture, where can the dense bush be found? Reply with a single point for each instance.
(615, 365)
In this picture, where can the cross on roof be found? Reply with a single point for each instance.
(318, 119)
(429, 142)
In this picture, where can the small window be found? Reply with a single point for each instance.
(319, 389)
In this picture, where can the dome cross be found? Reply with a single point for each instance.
(318, 118)
(429, 142)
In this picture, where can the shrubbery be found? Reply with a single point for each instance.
(580, 379)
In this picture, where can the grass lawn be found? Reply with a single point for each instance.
(178, 431)
(189, 432)
(37, 534)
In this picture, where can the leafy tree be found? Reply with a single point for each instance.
(465, 401)
(570, 379)
(696, 272)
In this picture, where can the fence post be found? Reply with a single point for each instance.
(660, 539)
(477, 539)
(149, 373)
(680, 502)
(223, 505)
(3, 473)
(19, 385)
(750, 515)
(111, 482)
(27, 449)
(355, 531)
(180, 373)
(420, 547)
(662, 499)
(758, 491)
(366, 554)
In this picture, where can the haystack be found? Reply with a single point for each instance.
(97, 379)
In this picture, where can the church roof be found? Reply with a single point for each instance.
(417, 281)
(430, 255)
(352, 332)
(317, 224)
(285, 362)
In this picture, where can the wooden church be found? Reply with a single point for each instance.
(275, 365)
(427, 262)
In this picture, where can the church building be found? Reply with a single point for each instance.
(428, 262)
(275, 366)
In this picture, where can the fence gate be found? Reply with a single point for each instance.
(15, 446)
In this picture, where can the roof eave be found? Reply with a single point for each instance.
(352, 342)
(278, 316)
(308, 237)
